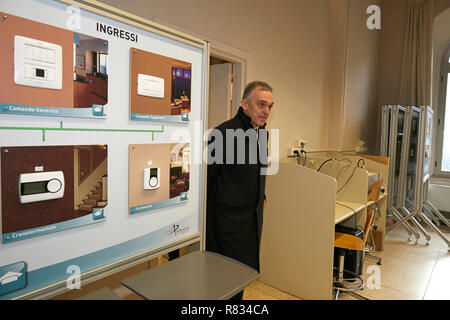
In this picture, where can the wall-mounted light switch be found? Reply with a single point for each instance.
(150, 86)
(37, 63)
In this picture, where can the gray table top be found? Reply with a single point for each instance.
(102, 294)
(200, 275)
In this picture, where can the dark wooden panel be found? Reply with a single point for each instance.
(84, 164)
(99, 154)
(17, 160)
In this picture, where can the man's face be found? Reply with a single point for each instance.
(257, 106)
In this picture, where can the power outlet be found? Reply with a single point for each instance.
(294, 151)
(361, 146)
(300, 143)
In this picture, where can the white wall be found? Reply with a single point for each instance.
(323, 93)
(393, 27)
(354, 69)
(286, 44)
(336, 66)
(361, 84)
(394, 18)
(441, 40)
(440, 6)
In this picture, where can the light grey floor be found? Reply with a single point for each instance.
(409, 271)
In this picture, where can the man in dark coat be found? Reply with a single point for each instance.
(235, 192)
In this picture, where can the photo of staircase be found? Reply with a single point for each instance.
(91, 178)
(96, 198)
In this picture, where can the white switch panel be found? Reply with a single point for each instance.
(150, 86)
(37, 63)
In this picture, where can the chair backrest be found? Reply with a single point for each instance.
(368, 225)
(375, 191)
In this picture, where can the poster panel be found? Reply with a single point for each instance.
(159, 175)
(47, 189)
(160, 87)
(95, 56)
(51, 71)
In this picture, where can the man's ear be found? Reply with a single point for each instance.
(244, 104)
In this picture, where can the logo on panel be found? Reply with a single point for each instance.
(13, 277)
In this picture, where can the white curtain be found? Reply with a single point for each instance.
(415, 84)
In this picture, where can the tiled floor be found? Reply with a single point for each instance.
(409, 271)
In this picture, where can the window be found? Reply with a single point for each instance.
(103, 63)
(443, 116)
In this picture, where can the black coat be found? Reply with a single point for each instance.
(235, 192)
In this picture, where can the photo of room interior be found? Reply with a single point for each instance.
(90, 71)
(358, 208)
(158, 172)
(91, 166)
(159, 85)
(47, 66)
(179, 169)
(181, 91)
(28, 175)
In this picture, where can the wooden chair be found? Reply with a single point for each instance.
(369, 249)
(344, 242)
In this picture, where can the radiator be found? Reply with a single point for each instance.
(439, 196)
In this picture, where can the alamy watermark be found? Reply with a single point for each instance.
(74, 280)
(373, 281)
(74, 20)
(374, 20)
(234, 146)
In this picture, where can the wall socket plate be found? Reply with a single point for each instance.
(37, 63)
(292, 151)
(300, 143)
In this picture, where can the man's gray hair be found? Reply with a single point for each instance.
(253, 85)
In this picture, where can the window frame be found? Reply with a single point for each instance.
(440, 121)
(105, 54)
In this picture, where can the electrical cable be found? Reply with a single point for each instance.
(354, 214)
(346, 182)
(363, 163)
(304, 161)
(343, 205)
(341, 170)
(318, 170)
(347, 159)
(353, 172)
(357, 166)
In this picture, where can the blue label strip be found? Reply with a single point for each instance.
(97, 111)
(159, 204)
(160, 118)
(34, 232)
(13, 277)
(46, 276)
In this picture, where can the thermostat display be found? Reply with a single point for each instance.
(151, 178)
(37, 63)
(40, 186)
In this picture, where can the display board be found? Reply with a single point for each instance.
(84, 186)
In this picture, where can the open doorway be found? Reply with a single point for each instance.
(225, 88)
